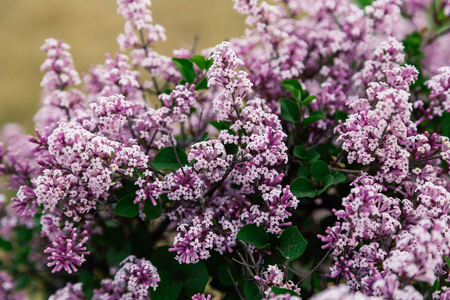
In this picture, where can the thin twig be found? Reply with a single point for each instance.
(321, 142)
(198, 127)
(235, 285)
(242, 263)
(131, 128)
(248, 252)
(286, 269)
(151, 141)
(218, 184)
(426, 159)
(250, 272)
(182, 143)
(158, 91)
(296, 273)
(246, 265)
(194, 44)
(176, 154)
(316, 267)
(345, 170)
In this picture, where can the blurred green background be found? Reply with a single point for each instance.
(90, 27)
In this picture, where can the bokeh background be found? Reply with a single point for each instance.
(91, 28)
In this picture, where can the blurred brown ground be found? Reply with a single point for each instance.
(91, 28)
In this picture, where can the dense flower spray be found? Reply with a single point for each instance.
(307, 159)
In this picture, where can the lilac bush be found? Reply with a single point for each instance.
(308, 158)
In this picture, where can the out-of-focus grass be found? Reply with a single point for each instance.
(91, 28)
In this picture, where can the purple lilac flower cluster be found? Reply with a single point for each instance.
(204, 189)
(7, 286)
(389, 236)
(110, 174)
(131, 281)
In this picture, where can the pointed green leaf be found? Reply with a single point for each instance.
(314, 117)
(199, 60)
(203, 137)
(294, 87)
(185, 67)
(290, 110)
(202, 84)
(209, 63)
(308, 100)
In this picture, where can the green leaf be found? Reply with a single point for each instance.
(339, 178)
(308, 100)
(209, 63)
(220, 125)
(313, 156)
(364, 3)
(281, 291)
(290, 110)
(202, 84)
(203, 137)
(199, 60)
(22, 282)
(301, 152)
(314, 117)
(115, 256)
(252, 234)
(341, 115)
(151, 211)
(292, 243)
(88, 285)
(303, 171)
(293, 86)
(319, 169)
(5, 245)
(162, 259)
(327, 181)
(196, 277)
(303, 187)
(251, 291)
(24, 235)
(231, 148)
(126, 208)
(166, 159)
(185, 67)
(202, 62)
(167, 289)
(224, 276)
